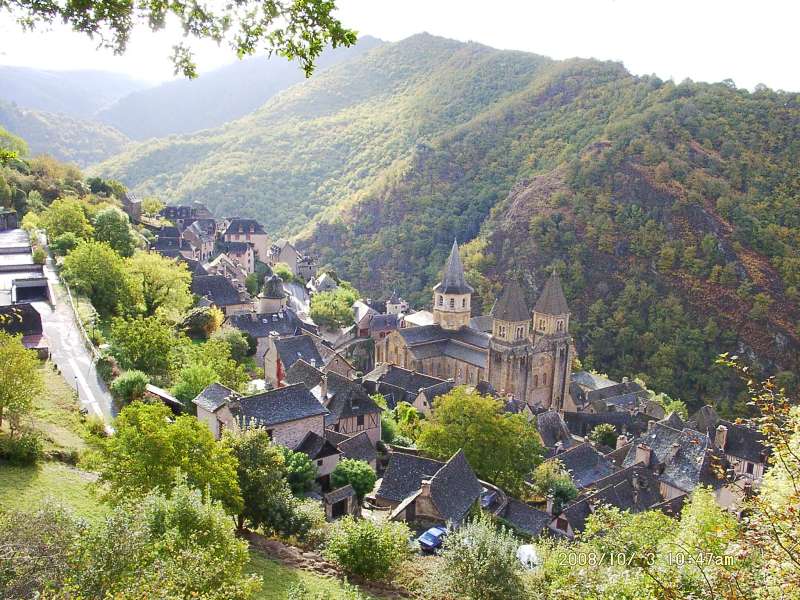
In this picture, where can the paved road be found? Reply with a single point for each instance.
(70, 354)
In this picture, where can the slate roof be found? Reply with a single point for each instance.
(347, 399)
(552, 429)
(298, 347)
(552, 300)
(591, 380)
(453, 281)
(340, 494)
(362, 310)
(455, 488)
(215, 396)
(358, 447)
(316, 446)
(195, 266)
(687, 456)
(585, 464)
(235, 248)
(482, 323)
(404, 475)
(743, 441)
(526, 518)
(463, 344)
(243, 226)
(217, 288)
(438, 389)
(511, 306)
(302, 372)
(582, 423)
(20, 319)
(276, 406)
(383, 323)
(398, 384)
(642, 480)
(260, 325)
(334, 437)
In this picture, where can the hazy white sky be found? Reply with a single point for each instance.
(749, 41)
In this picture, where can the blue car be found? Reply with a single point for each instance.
(432, 539)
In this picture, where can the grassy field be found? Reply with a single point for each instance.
(278, 579)
(26, 487)
(56, 413)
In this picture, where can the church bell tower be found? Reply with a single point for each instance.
(451, 297)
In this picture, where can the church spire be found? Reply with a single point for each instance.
(552, 300)
(454, 281)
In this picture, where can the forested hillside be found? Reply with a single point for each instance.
(75, 93)
(69, 139)
(672, 210)
(214, 98)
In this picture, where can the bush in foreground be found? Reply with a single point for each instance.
(129, 386)
(369, 550)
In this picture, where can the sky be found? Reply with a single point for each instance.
(751, 42)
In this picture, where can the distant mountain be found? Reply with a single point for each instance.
(671, 210)
(74, 93)
(70, 139)
(214, 98)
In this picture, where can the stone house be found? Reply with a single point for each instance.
(241, 253)
(184, 215)
(323, 283)
(356, 447)
(301, 265)
(397, 384)
(220, 292)
(429, 491)
(228, 268)
(288, 413)
(251, 232)
(200, 237)
(212, 407)
(282, 353)
(324, 454)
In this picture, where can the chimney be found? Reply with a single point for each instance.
(323, 390)
(673, 451)
(625, 380)
(550, 499)
(622, 440)
(721, 437)
(643, 454)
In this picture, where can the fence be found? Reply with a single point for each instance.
(75, 315)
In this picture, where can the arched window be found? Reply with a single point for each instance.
(452, 302)
(544, 379)
(560, 326)
(535, 381)
(463, 303)
(441, 301)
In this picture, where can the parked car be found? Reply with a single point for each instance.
(432, 539)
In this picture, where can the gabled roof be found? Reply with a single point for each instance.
(260, 325)
(552, 429)
(687, 456)
(358, 447)
(298, 347)
(362, 310)
(214, 397)
(511, 305)
(340, 494)
(383, 323)
(453, 281)
(235, 248)
(276, 406)
(20, 319)
(404, 475)
(334, 437)
(526, 518)
(400, 385)
(552, 300)
(582, 423)
(642, 480)
(455, 488)
(742, 441)
(464, 344)
(316, 446)
(216, 288)
(585, 464)
(302, 372)
(347, 399)
(243, 226)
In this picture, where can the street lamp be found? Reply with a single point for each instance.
(77, 389)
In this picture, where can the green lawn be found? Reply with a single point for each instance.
(26, 487)
(278, 579)
(56, 413)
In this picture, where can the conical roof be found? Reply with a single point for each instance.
(510, 306)
(453, 281)
(552, 300)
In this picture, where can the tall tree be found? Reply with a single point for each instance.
(111, 225)
(164, 282)
(66, 215)
(20, 380)
(96, 270)
(295, 29)
(502, 448)
(150, 448)
(143, 343)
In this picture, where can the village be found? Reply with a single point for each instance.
(617, 443)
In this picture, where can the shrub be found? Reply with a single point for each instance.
(311, 526)
(388, 428)
(96, 426)
(604, 434)
(479, 561)
(64, 243)
(551, 478)
(355, 472)
(129, 386)
(107, 368)
(201, 322)
(367, 549)
(299, 471)
(23, 449)
(39, 256)
(240, 347)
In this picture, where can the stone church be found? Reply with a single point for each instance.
(527, 355)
